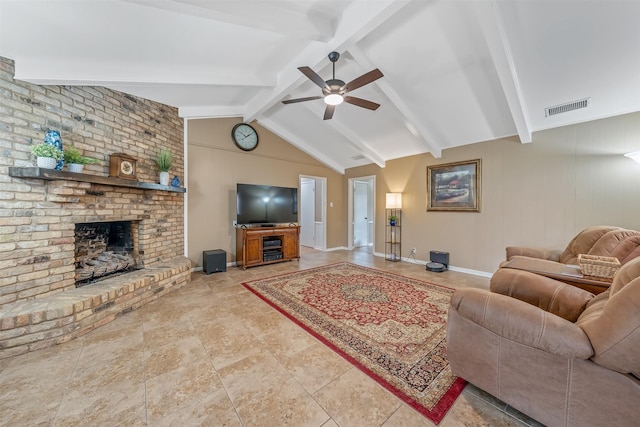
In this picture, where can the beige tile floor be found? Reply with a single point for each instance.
(214, 354)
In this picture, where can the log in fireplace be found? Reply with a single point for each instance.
(103, 249)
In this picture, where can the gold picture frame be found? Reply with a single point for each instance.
(454, 186)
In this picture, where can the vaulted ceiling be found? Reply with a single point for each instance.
(455, 72)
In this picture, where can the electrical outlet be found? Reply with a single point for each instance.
(413, 251)
(235, 223)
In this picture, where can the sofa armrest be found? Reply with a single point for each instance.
(551, 295)
(548, 254)
(521, 322)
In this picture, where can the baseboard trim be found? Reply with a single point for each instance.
(196, 269)
(470, 271)
(381, 255)
(451, 267)
(339, 248)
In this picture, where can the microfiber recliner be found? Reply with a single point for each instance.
(551, 350)
(598, 240)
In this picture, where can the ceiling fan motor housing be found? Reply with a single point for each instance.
(334, 87)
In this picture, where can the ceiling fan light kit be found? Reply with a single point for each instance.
(334, 90)
(333, 99)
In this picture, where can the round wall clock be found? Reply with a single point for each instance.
(244, 136)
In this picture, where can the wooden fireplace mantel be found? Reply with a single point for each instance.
(56, 175)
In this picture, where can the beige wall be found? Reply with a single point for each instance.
(537, 194)
(216, 166)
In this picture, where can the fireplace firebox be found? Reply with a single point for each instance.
(103, 249)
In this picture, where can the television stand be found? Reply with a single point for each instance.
(267, 245)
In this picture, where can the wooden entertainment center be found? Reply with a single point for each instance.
(267, 245)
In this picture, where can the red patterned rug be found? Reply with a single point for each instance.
(391, 327)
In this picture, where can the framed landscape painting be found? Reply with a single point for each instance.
(454, 186)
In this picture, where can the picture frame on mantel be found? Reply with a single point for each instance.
(454, 187)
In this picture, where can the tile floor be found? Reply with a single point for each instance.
(214, 354)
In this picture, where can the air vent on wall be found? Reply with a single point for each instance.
(569, 106)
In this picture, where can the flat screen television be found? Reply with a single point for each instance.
(266, 204)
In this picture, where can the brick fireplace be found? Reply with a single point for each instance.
(47, 306)
(40, 304)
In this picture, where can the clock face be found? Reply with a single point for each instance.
(126, 167)
(244, 136)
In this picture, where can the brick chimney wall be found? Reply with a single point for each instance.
(37, 217)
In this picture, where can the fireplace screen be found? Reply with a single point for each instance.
(104, 249)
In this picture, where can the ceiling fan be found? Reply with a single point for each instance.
(334, 90)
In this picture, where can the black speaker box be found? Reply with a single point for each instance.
(214, 261)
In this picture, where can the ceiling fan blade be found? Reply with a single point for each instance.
(328, 112)
(361, 102)
(309, 98)
(364, 79)
(313, 76)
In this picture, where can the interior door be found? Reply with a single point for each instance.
(360, 215)
(307, 213)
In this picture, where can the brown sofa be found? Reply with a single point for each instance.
(598, 240)
(553, 351)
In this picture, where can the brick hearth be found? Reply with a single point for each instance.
(39, 323)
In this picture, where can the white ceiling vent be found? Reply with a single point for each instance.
(569, 106)
(357, 157)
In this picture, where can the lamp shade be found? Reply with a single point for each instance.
(635, 156)
(394, 200)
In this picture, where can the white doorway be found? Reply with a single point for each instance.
(307, 212)
(313, 212)
(361, 213)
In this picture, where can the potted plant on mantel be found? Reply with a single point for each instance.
(75, 161)
(47, 155)
(164, 160)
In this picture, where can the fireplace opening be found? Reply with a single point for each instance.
(103, 249)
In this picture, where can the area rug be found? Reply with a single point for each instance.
(391, 327)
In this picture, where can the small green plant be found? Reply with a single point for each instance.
(164, 160)
(47, 150)
(393, 218)
(73, 155)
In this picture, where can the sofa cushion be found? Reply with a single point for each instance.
(555, 297)
(613, 324)
(622, 244)
(583, 242)
(521, 322)
(541, 253)
(603, 241)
